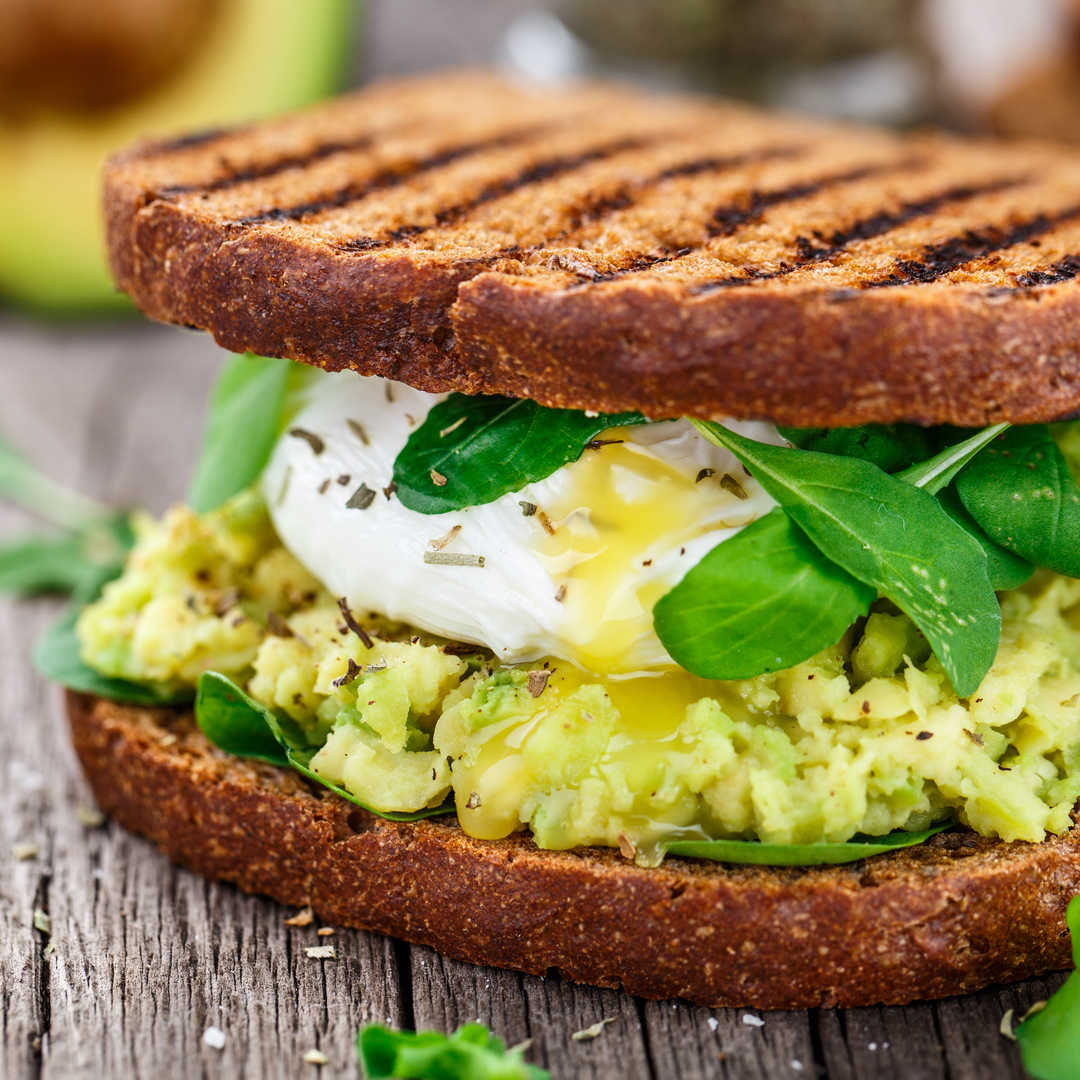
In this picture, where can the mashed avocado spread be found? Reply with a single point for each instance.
(866, 737)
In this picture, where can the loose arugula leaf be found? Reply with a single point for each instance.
(23, 485)
(244, 422)
(472, 450)
(230, 719)
(753, 852)
(939, 471)
(471, 1053)
(764, 600)
(1050, 1039)
(1006, 570)
(56, 656)
(66, 564)
(1022, 494)
(892, 536)
(891, 447)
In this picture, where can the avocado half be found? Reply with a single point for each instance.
(252, 58)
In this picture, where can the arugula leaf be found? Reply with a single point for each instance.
(1006, 570)
(892, 536)
(939, 471)
(891, 447)
(755, 853)
(1050, 1039)
(764, 600)
(1022, 494)
(56, 656)
(23, 485)
(472, 450)
(245, 419)
(66, 564)
(231, 720)
(470, 1053)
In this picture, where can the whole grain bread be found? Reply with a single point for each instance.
(947, 917)
(598, 248)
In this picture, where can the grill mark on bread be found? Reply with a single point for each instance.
(596, 207)
(272, 167)
(1063, 270)
(591, 209)
(536, 173)
(823, 248)
(189, 141)
(392, 176)
(970, 246)
(731, 217)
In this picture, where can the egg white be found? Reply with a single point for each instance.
(375, 556)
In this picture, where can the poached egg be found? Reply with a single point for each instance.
(567, 567)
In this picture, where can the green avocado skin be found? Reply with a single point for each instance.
(260, 57)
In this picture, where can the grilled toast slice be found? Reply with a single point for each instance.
(598, 248)
(947, 917)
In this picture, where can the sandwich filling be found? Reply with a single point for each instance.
(506, 654)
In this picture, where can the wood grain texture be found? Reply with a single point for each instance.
(147, 956)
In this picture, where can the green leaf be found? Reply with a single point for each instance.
(892, 536)
(42, 564)
(764, 600)
(66, 564)
(939, 471)
(1050, 1039)
(245, 419)
(56, 656)
(470, 1053)
(472, 450)
(233, 722)
(1022, 494)
(1006, 570)
(231, 719)
(891, 447)
(753, 852)
(31, 490)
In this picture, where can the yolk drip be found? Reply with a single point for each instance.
(625, 509)
(650, 711)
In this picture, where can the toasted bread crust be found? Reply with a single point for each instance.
(948, 917)
(603, 250)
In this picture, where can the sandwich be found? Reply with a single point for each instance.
(635, 536)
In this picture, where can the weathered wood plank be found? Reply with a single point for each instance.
(741, 1044)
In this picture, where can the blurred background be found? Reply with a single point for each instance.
(80, 80)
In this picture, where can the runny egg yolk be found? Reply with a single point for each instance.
(650, 711)
(625, 510)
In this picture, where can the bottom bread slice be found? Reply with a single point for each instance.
(949, 916)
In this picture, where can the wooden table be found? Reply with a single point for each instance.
(145, 956)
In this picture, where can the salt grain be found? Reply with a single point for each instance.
(752, 1021)
(214, 1037)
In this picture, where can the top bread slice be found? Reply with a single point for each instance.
(596, 248)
